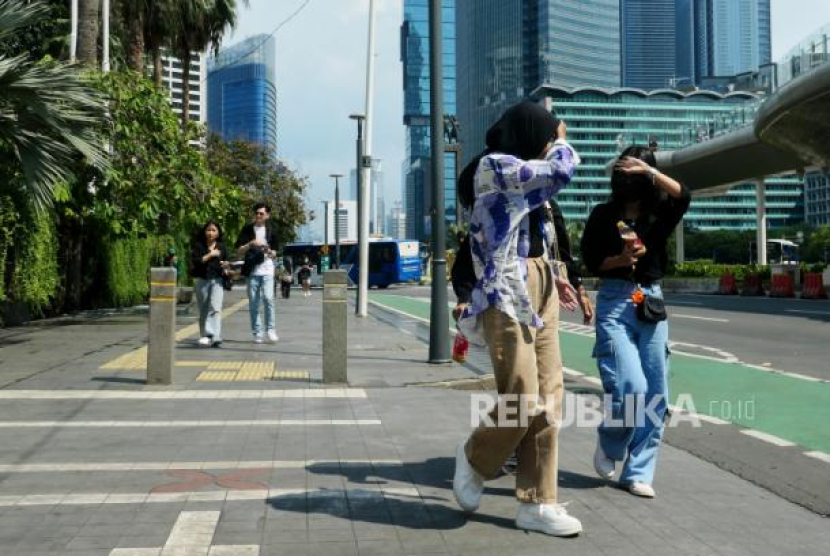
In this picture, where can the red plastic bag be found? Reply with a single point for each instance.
(460, 347)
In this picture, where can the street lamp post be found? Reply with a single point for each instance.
(362, 224)
(336, 219)
(439, 341)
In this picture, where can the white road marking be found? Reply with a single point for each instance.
(823, 313)
(187, 465)
(377, 492)
(181, 394)
(777, 441)
(192, 535)
(694, 317)
(571, 372)
(710, 419)
(205, 423)
(818, 455)
(593, 380)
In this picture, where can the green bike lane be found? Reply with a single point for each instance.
(787, 407)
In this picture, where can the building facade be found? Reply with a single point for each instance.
(601, 123)
(721, 38)
(396, 222)
(172, 78)
(415, 54)
(346, 221)
(376, 191)
(242, 92)
(648, 43)
(508, 48)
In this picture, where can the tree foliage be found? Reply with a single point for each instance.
(260, 177)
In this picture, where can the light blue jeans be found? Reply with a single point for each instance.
(209, 296)
(633, 362)
(261, 288)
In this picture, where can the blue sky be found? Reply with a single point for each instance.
(321, 72)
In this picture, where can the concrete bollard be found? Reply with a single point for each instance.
(335, 350)
(161, 350)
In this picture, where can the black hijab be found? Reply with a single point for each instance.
(523, 131)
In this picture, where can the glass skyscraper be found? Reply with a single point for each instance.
(601, 123)
(508, 48)
(242, 92)
(416, 77)
(721, 38)
(648, 43)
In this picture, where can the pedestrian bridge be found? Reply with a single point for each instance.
(790, 133)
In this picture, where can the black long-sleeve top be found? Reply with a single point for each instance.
(463, 273)
(212, 268)
(601, 239)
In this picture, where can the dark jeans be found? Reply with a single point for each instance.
(285, 287)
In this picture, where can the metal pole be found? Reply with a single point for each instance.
(366, 170)
(439, 340)
(105, 58)
(73, 33)
(336, 220)
(326, 222)
(361, 196)
(761, 219)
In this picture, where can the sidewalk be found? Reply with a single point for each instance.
(249, 454)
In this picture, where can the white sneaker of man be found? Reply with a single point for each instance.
(642, 490)
(272, 336)
(257, 338)
(204, 341)
(603, 465)
(550, 519)
(467, 484)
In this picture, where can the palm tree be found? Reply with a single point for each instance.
(199, 25)
(48, 115)
(89, 15)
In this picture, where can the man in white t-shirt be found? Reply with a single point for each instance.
(262, 236)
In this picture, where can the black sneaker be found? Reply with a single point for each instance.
(216, 344)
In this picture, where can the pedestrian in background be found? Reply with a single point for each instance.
(208, 266)
(257, 244)
(286, 276)
(304, 276)
(625, 244)
(514, 309)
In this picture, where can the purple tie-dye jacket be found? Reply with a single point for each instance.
(507, 189)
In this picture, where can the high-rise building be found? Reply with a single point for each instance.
(172, 78)
(396, 222)
(648, 43)
(601, 123)
(346, 221)
(416, 85)
(508, 48)
(242, 92)
(717, 38)
(376, 191)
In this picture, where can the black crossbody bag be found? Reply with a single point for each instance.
(652, 310)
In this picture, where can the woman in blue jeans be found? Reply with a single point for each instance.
(625, 244)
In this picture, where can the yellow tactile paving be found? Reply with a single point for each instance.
(252, 371)
(291, 375)
(225, 365)
(217, 376)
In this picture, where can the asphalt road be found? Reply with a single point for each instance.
(790, 335)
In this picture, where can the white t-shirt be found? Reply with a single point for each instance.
(267, 267)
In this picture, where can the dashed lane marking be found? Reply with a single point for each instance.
(819, 456)
(769, 438)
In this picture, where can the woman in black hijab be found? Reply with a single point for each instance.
(514, 310)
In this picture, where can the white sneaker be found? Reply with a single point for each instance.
(257, 338)
(468, 484)
(603, 465)
(204, 341)
(272, 335)
(641, 489)
(550, 519)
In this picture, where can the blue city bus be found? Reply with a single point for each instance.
(391, 261)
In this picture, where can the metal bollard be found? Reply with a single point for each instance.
(161, 349)
(335, 351)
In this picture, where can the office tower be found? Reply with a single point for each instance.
(508, 48)
(172, 78)
(242, 92)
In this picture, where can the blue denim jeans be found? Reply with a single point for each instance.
(633, 362)
(209, 296)
(261, 288)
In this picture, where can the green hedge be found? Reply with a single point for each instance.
(128, 263)
(35, 277)
(708, 269)
(9, 221)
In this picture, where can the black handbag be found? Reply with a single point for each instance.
(652, 310)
